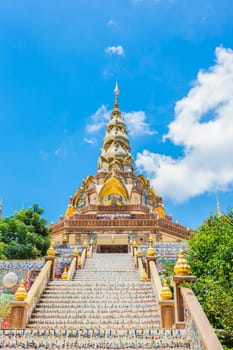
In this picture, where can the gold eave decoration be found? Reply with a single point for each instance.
(113, 186)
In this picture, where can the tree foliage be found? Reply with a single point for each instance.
(210, 254)
(24, 235)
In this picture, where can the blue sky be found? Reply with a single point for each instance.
(59, 61)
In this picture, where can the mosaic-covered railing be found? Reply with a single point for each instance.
(200, 333)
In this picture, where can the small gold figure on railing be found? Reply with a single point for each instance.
(144, 276)
(150, 240)
(139, 252)
(131, 241)
(79, 261)
(75, 251)
(64, 276)
(21, 293)
(51, 250)
(165, 293)
(150, 250)
(134, 244)
(182, 267)
(85, 244)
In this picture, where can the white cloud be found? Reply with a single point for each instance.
(112, 22)
(90, 141)
(114, 50)
(135, 122)
(137, 125)
(203, 125)
(98, 119)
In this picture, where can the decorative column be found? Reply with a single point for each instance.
(19, 308)
(64, 241)
(131, 247)
(166, 307)
(75, 255)
(181, 269)
(138, 255)
(91, 246)
(150, 256)
(85, 246)
(51, 256)
(134, 245)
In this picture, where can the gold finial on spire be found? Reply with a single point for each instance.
(116, 90)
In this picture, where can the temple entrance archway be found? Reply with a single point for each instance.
(112, 243)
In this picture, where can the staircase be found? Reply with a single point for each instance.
(105, 306)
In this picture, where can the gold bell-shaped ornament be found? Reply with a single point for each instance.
(51, 250)
(91, 242)
(75, 251)
(143, 276)
(134, 244)
(182, 267)
(139, 252)
(150, 239)
(131, 241)
(150, 251)
(64, 276)
(165, 293)
(85, 244)
(21, 293)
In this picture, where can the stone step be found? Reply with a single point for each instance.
(105, 306)
(98, 339)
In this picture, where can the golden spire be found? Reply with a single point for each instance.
(116, 92)
(116, 152)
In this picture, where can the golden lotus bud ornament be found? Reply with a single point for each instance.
(182, 267)
(143, 276)
(150, 251)
(21, 293)
(79, 261)
(85, 244)
(64, 276)
(139, 252)
(51, 251)
(75, 251)
(165, 293)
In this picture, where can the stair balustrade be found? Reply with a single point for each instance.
(21, 310)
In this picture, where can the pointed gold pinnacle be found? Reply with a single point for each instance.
(116, 90)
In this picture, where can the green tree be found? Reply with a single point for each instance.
(210, 254)
(24, 235)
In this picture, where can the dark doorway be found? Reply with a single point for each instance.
(112, 249)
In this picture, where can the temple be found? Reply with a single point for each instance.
(116, 203)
